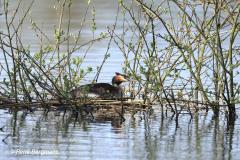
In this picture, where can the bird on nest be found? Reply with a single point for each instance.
(102, 90)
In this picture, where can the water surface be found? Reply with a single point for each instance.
(146, 134)
(143, 135)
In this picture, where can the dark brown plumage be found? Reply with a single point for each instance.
(101, 90)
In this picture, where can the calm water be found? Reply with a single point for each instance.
(143, 135)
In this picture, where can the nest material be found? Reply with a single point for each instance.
(53, 103)
(101, 102)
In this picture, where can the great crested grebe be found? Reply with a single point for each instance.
(102, 90)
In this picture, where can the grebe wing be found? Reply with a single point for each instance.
(97, 89)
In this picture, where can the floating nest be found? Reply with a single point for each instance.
(127, 103)
(95, 110)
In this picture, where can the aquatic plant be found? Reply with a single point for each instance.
(183, 55)
(52, 70)
(188, 60)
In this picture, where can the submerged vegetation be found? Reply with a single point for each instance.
(182, 55)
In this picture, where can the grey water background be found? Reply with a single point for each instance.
(146, 134)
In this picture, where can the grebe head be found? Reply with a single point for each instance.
(118, 79)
